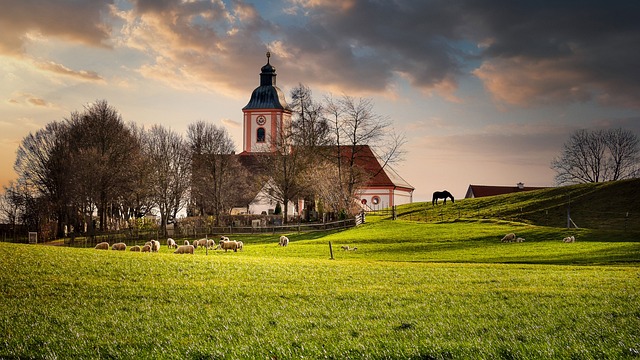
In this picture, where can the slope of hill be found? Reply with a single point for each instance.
(612, 205)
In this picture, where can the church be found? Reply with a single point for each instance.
(267, 114)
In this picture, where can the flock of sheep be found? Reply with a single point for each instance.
(511, 237)
(188, 248)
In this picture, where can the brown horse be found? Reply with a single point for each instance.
(441, 195)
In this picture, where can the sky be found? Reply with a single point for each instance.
(485, 92)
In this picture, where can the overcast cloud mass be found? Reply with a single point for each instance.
(486, 92)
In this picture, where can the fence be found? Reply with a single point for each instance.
(138, 237)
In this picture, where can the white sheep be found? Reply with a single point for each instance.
(135, 248)
(155, 246)
(223, 238)
(148, 243)
(240, 245)
(186, 242)
(509, 237)
(202, 243)
(171, 244)
(229, 245)
(146, 248)
(184, 249)
(102, 246)
(518, 240)
(211, 244)
(284, 241)
(569, 239)
(347, 248)
(119, 246)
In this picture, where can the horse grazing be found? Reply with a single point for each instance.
(441, 195)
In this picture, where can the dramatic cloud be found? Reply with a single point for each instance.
(78, 21)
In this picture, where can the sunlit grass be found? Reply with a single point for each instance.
(410, 291)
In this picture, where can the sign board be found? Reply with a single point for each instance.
(33, 237)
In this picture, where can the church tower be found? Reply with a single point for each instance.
(267, 113)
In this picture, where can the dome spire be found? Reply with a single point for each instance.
(268, 56)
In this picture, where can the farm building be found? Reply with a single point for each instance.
(476, 191)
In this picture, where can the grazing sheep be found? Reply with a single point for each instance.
(148, 243)
(284, 241)
(347, 248)
(224, 238)
(186, 242)
(184, 249)
(171, 244)
(202, 243)
(229, 245)
(146, 248)
(569, 239)
(102, 246)
(119, 246)
(135, 248)
(195, 244)
(509, 237)
(240, 245)
(155, 246)
(519, 239)
(211, 244)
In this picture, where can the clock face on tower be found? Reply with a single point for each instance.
(261, 120)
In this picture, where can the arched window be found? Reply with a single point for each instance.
(260, 135)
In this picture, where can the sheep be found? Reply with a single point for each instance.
(284, 241)
(569, 239)
(240, 245)
(347, 248)
(211, 244)
(509, 237)
(184, 249)
(171, 244)
(202, 243)
(119, 246)
(146, 248)
(148, 243)
(223, 238)
(135, 248)
(155, 246)
(102, 246)
(186, 242)
(518, 240)
(229, 245)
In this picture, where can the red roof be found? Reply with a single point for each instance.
(476, 191)
(367, 160)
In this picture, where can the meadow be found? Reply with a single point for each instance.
(412, 290)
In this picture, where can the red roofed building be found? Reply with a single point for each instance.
(476, 191)
(267, 114)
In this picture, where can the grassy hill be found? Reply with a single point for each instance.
(611, 205)
(432, 285)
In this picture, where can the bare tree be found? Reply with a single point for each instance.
(356, 126)
(170, 162)
(309, 126)
(286, 171)
(102, 155)
(42, 167)
(217, 177)
(596, 156)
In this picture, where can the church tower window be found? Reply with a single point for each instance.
(260, 135)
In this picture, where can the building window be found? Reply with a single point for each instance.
(375, 200)
(260, 135)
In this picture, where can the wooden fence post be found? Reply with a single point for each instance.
(330, 250)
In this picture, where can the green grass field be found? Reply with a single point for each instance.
(412, 290)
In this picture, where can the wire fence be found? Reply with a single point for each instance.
(138, 236)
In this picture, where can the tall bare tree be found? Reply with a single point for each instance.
(170, 161)
(217, 177)
(102, 157)
(42, 167)
(596, 156)
(356, 125)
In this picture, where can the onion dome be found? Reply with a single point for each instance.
(267, 95)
